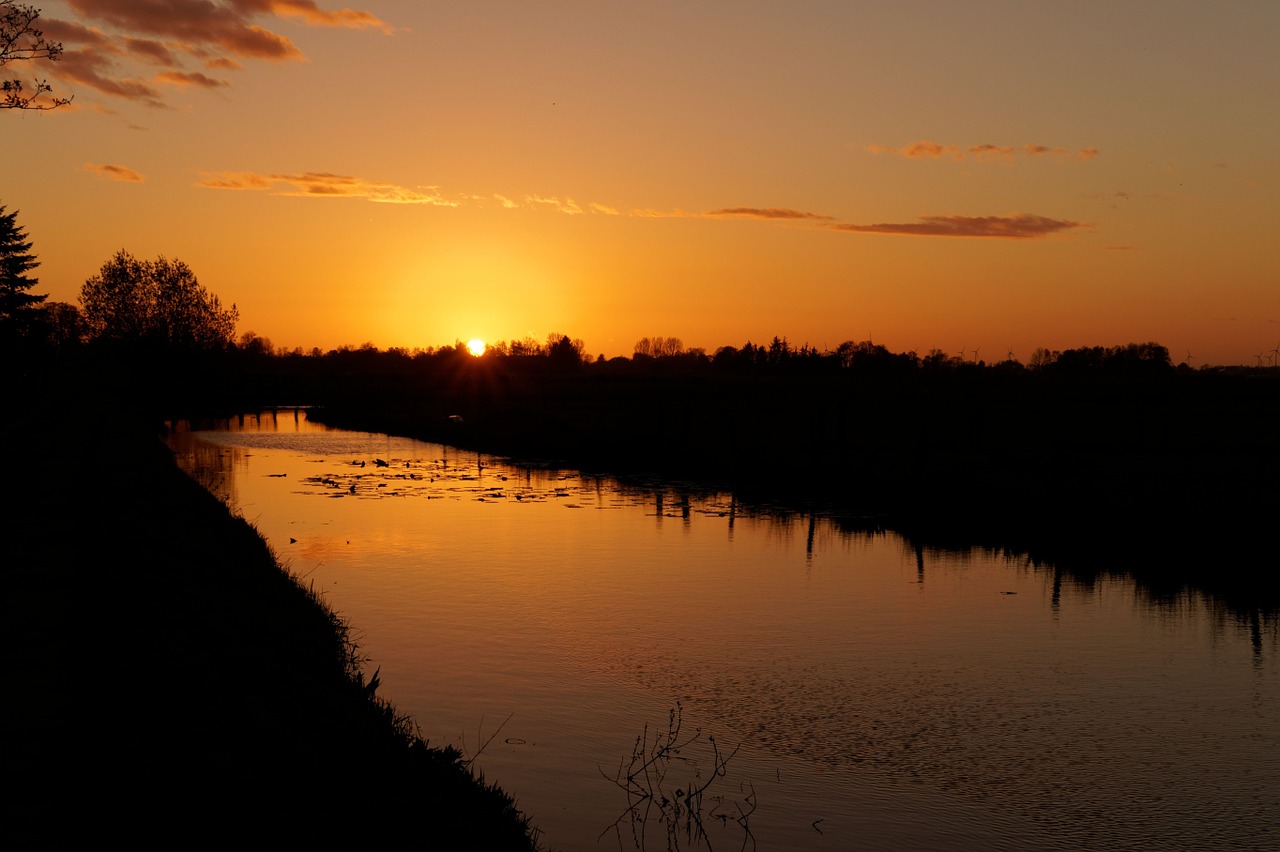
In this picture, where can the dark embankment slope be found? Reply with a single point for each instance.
(1170, 477)
(169, 685)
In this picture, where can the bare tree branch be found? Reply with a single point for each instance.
(22, 41)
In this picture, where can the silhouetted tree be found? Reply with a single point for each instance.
(1081, 359)
(659, 347)
(18, 307)
(156, 303)
(255, 345)
(1146, 358)
(779, 351)
(60, 325)
(526, 347)
(555, 339)
(1042, 358)
(564, 355)
(21, 40)
(936, 361)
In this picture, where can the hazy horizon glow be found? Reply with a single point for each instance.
(993, 176)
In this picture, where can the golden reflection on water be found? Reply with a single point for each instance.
(898, 697)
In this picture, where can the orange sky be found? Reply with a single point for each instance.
(984, 175)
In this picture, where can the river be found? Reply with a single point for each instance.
(833, 689)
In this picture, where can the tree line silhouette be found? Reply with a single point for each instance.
(1100, 448)
(157, 310)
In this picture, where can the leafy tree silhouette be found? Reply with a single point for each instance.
(155, 304)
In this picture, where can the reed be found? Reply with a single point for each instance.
(678, 802)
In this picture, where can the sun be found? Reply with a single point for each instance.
(475, 347)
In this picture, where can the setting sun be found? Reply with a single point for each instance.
(475, 347)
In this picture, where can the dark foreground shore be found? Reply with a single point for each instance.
(169, 685)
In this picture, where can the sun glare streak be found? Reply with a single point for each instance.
(475, 347)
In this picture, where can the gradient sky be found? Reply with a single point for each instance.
(981, 175)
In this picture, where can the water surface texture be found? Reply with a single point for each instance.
(880, 696)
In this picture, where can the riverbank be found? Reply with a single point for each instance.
(171, 684)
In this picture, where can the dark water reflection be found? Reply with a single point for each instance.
(887, 694)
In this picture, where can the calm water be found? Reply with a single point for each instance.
(880, 697)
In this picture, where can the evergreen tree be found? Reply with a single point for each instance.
(18, 308)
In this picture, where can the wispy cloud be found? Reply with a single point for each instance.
(122, 36)
(317, 184)
(192, 25)
(98, 72)
(308, 11)
(566, 205)
(114, 172)
(190, 78)
(150, 50)
(1023, 226)
(222, 63)
(652, 213)
(326, 185)
(1123, 198)
(92, 59)
(772, 213)
(930, 150)
(1060, 152)
(996, 152)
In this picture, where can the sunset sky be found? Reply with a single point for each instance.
(991, 176)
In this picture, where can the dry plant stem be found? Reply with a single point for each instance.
(680, 811)
(484, 745)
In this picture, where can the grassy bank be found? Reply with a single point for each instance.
(171, 685)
